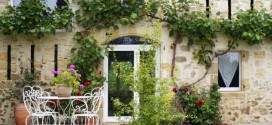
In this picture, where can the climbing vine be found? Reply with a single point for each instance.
(251, 25)
(181, 20)
(87, 58)
(108, 13)
(33, 17)
(201, 31)
(196, 26)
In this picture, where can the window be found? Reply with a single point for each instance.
(229, 71)
(50, 3)
(126, 51)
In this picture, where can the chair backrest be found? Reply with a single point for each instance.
(79, 106)
(47, 105)
(30, 97)
(97, 90)
(95, 100)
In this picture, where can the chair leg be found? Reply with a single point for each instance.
(32, 120)
(73, 121)
(55, 120)
(97, 120)
(26, 119)
(37, 120)
(88, 121)
(58, 118)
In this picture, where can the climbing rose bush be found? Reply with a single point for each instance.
(200, 107)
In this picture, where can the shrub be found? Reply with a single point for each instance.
(200, 108)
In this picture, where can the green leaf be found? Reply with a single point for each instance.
(134, 15)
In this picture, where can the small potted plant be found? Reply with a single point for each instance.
(66, 81)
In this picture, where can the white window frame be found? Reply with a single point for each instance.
(233, 89)
(136, 49)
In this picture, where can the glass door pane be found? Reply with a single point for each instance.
(119, 62)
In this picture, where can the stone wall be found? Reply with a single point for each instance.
(253, 104)
(44, 62)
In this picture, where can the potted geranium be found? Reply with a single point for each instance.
(66, 81)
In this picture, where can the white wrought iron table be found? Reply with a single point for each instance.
(64, 110)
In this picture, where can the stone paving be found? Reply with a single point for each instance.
(253, 124)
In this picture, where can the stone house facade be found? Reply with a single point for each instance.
(251, 104)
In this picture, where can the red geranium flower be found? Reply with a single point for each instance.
(79, 101)
(78, 93)
(87, 83)
(186, 90)
(175, 90)
(200, 102)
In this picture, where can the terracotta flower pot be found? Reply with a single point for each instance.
(92, 121)
(88, 121)
(20, 114)
(64, 90)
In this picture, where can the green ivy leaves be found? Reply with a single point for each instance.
(101, 14)
(87, 57)
(33, 17)
(251, 25)
(201, 31)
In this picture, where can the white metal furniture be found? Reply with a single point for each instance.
(65, 111)
(88, 108)
(37, 109)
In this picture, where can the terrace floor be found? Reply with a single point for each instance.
(270, 123)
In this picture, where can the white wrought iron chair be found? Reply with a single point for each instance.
(87, 108)
(37, 108)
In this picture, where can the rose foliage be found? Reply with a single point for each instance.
(200, 108)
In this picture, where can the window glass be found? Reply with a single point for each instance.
(128, 40)
(117, 88)
(16, 2)
(50, 3)
(229, 71)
